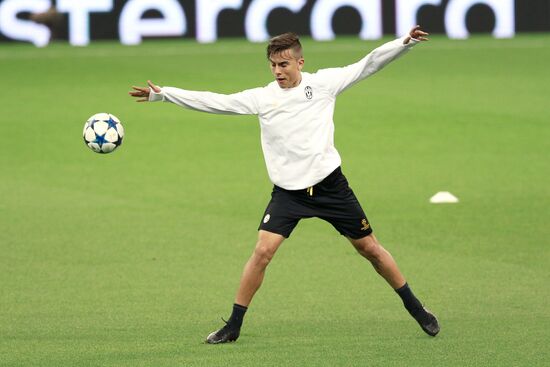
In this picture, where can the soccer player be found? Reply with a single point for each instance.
(297, 136)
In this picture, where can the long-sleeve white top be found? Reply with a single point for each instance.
(297, 127)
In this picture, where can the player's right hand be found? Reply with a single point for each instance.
(142, 93)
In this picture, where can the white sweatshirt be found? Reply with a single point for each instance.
(297, 128)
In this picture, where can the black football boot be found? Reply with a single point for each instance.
(224, 335)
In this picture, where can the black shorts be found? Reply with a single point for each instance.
(331, 199)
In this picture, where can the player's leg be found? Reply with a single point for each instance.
(385, 265)
(337, 204)
(254, 269)
(279, 220)
(380, 258)
(251, 280)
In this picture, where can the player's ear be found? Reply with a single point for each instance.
(301, 62)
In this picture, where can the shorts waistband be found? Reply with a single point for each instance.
(310, 190)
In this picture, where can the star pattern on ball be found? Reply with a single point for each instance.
(100, 139)
(112, 123)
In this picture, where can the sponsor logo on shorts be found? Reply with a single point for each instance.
(365, 224)
(266, 218)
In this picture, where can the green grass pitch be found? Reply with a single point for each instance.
(130, 259)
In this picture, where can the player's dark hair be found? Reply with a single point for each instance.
(285, 41)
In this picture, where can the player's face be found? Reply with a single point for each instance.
(286, 68)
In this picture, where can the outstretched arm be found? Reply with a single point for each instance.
(339, 79)
(242, 103)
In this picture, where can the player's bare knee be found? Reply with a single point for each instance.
(374, 253)
(263, 253)
(368, 248)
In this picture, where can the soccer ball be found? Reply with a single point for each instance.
(103, 133)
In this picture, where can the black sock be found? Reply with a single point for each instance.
(412, 304)
(237, 316)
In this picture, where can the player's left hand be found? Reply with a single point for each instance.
(143, 92)
(416, 33)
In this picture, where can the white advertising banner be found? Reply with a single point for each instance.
(173, 18)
